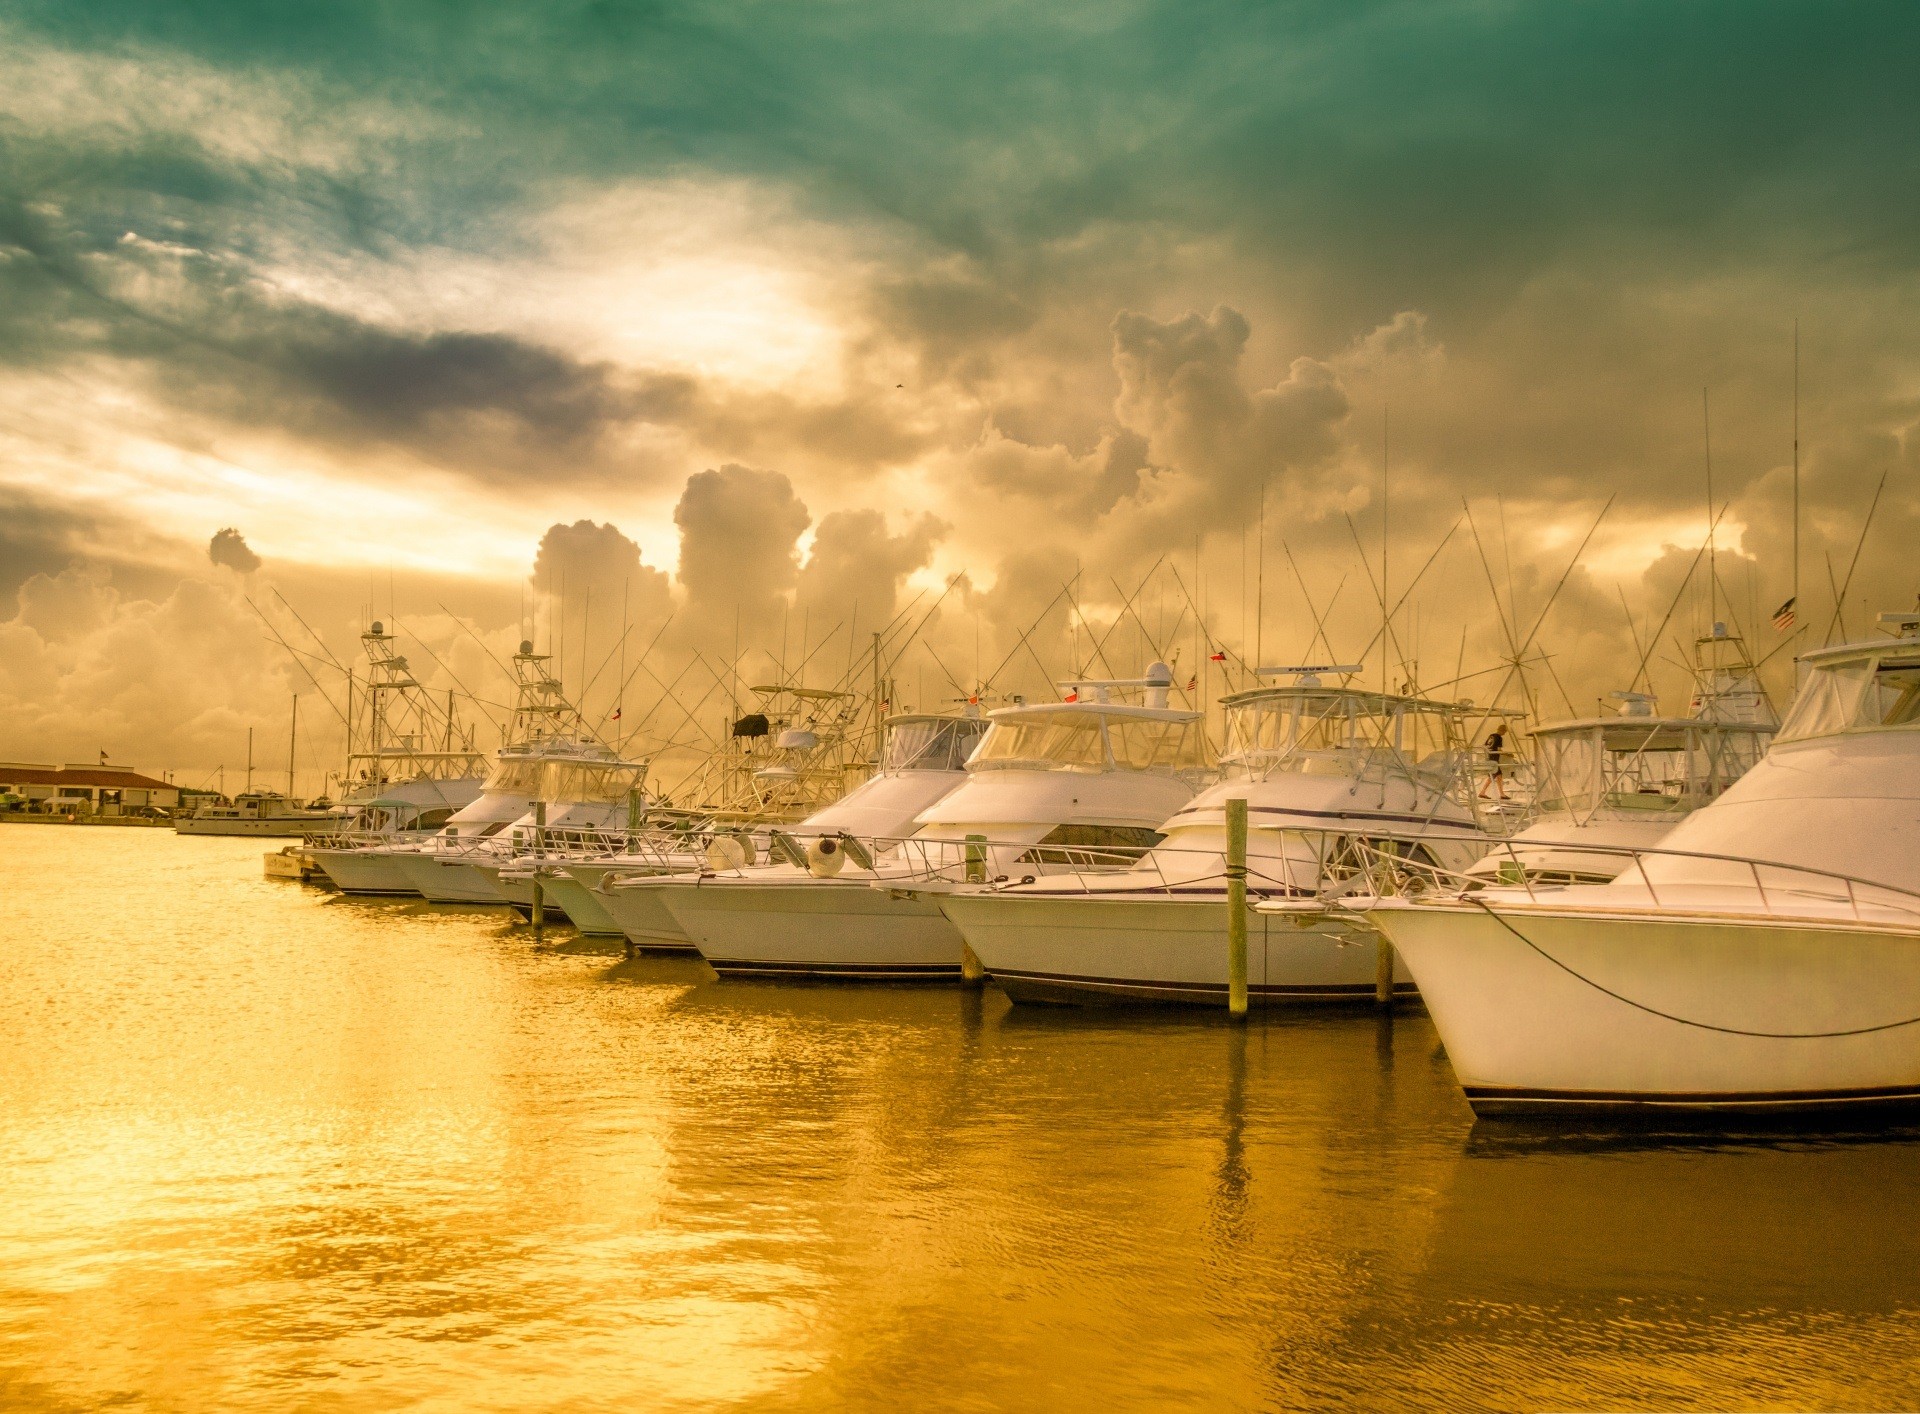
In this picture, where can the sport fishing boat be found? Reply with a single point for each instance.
(1766, 956)
(922, 761)
(550, 758)
(1623, 782)
(410, 767)
(1051, 785)
(1324, 769)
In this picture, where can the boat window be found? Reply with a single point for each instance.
(515, 777)
(1146, 745)
(933, 746)
(1829, 702)
(1092, 845)
(1895, 698)
(587, 782)
(1069, 741)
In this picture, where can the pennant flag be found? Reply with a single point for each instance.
(616, 714)
(1783, 617)
(1073, 696)
(1218, 658)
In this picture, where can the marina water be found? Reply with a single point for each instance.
(267, 1147)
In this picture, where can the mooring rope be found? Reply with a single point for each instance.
(1682, 1020)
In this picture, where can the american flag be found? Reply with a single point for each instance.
(1783, 617)
(1192, 683)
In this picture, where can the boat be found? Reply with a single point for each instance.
(1325, 768)
(1051, 785)
(922, 761)
(550, 759)
(1764, 957)
(410, 767)
(262, 814)
(1624, 781)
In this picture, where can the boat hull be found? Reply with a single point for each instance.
(816, 929)
(1092, 949)
(643, 916)
(443, 880)
(364, 871)
(1546, 1012)
(292, 828)
(582, 905)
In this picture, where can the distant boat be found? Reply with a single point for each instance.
(262, 814)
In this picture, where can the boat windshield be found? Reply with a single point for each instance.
(933, 745)
(1150, 745)
(1663, 766)
(1855, 695)
(1066, 742)
(1278, 728)
(515, 776)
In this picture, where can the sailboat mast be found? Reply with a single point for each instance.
(293, 736)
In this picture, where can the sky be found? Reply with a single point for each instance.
(754, 324)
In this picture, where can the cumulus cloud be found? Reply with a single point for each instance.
(739, 545)
(229, 548)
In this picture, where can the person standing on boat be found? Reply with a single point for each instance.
(1496, 751)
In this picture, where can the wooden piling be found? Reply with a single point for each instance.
(1383, 974)
(1237, 908)
(539, 854)
(971, 970)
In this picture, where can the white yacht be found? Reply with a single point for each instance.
(260, 814)
(1765, 956)
(1623, 782)
(922, 761)
(1050, 785)
(410, 766)
(549, 758)
(1323, 769)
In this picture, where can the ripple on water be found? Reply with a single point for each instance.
(262, 1146)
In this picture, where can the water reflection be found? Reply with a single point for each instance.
(291, 1149)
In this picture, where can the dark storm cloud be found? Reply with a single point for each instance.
(229, 548)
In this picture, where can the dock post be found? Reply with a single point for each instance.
(971, 972)
(1237, 909)
(1383, 974)
(539, 853)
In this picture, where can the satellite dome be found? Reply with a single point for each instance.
(378, 627)
(1158, 672)
(526, 647)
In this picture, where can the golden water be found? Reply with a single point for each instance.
(267, 1147)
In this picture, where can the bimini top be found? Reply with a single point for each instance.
(1092, 736)
(1860, 687)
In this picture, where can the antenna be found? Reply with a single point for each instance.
(1386, 615)
(1713, 573)
(1260, 579)
(1796, 464)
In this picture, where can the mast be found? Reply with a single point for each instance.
(249, 760)
(293, 735)
(1385, 512)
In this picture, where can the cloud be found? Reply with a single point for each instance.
(855, 568)
(739, 546)
(229, 547)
